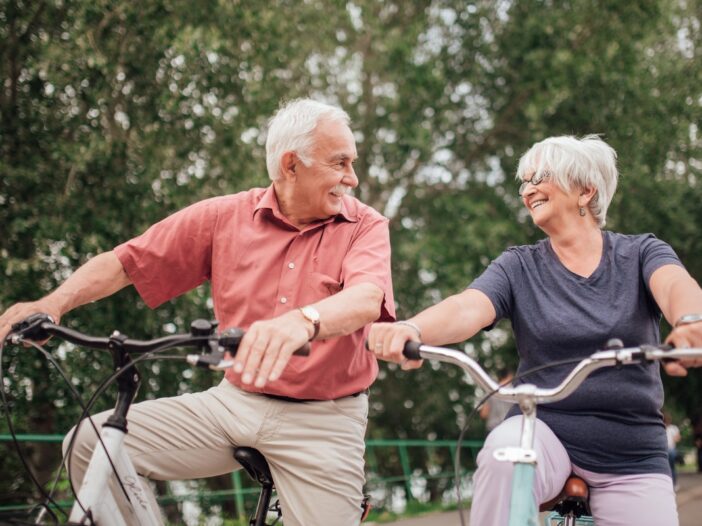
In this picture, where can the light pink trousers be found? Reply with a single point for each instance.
(615, 500)
(314, 449)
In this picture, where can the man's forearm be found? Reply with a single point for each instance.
(349, 310)
(100, 277)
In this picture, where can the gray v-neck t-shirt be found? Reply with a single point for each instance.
(613, 422)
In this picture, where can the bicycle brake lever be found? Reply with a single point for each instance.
(31, 328)
(213, 360)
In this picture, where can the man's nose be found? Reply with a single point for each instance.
(350, 177)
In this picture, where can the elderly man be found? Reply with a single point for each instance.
(298, 261)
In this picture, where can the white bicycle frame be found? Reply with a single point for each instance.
(111, 477)
(99, 493)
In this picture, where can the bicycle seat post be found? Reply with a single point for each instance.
(256, 466)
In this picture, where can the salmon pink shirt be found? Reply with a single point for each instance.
(260, 266)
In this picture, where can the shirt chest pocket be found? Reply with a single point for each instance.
(317, 286)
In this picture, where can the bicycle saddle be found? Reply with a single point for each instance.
(574, 497)
(255, 464)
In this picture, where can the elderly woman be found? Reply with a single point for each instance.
(566, 296)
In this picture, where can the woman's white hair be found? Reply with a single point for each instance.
(588, 162)
(290, 130)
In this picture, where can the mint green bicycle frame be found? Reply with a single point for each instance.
(523, 505)
(523, 508)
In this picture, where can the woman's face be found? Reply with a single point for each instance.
(548, 204)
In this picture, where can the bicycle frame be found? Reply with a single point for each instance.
(523, 508)
(522, 505)
(558, 520)
(110, 474)
(110, 477)
(97, 497)
(109, 463)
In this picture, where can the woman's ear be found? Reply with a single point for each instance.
(586, 195)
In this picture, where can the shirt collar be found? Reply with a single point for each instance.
(269, 201)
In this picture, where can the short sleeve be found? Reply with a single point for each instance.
(654, 254)
(496, 284)
(173, 256)
(368, 261)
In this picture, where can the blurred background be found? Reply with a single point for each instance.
(114, 114)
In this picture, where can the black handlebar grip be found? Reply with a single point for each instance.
(411, 350)
(32, 328)
(230, 339)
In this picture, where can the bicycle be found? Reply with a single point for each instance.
(95, 502)
(523, 508)
(256, 466)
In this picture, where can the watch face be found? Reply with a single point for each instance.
(310, 313)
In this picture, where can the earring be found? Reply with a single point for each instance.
(581, 211)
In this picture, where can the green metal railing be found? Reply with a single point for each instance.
(379, 453)
(403, 446)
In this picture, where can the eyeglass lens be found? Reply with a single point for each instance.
(534, 181)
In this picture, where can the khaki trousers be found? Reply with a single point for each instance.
(314, 449)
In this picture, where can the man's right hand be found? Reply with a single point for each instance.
(21, 311)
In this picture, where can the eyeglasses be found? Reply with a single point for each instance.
(535, 180)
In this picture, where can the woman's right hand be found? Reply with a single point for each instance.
(387, 340)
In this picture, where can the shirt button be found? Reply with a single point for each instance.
(291, 265)
(283, 300)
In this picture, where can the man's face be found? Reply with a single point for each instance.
(330, 174)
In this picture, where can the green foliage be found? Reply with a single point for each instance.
(114, 114)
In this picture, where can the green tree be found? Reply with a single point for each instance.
(115, 114)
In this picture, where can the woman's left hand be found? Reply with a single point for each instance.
(387, 340)
(683, 337)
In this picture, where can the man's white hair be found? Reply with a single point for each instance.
(588, 162)
(291, 129)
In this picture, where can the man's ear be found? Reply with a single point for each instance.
(288, 165)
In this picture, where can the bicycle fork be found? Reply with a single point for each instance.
(523, 510)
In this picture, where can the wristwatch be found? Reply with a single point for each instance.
(687, 319)
(311, 314)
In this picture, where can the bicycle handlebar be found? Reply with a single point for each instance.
(202, 335)
(606, 358)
